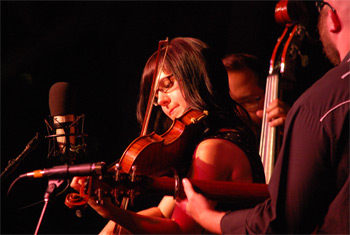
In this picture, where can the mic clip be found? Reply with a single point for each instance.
(66, 137)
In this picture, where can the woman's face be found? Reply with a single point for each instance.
(170, 97)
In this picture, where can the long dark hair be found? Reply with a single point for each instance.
(203, 80)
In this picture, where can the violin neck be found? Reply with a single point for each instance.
(235, 193)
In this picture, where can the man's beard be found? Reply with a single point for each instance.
(328, 46)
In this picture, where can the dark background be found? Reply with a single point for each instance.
(100, 48)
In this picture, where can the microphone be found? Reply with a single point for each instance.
(66, 128)
(66, 171)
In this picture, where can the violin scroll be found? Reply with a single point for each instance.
(78, 201)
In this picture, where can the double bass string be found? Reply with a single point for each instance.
(268, 134)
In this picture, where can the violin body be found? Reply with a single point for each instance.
(157, 155)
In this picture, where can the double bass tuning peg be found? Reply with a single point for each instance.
(304, 59)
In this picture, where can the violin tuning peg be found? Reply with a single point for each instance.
(99, 202)
(117, 170)
(133, 173)
(98, 193)
(133, 168)
(132, 196)
(117, 167)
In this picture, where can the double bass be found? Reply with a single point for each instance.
(281, 74)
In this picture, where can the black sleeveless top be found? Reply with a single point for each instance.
(249, 148)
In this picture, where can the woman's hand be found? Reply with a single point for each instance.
(104, 207)
(78, 182)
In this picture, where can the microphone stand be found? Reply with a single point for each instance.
(14, 163)
(49, 194)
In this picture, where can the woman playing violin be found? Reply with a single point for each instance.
(192, 77)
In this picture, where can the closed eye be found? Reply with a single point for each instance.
(166, 83)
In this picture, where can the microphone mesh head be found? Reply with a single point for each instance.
(62, 99)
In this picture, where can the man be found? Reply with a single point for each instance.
(309, 189)
(247, 87)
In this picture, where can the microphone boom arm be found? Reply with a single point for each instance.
(14, 163)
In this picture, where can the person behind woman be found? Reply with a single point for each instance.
(193, 77)
(247, 83)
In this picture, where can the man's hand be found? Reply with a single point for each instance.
(276, 113)
(201, 209)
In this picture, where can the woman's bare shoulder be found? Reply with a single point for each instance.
(218, 159)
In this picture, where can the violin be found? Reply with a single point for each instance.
(281, 76)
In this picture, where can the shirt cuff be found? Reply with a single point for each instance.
(234, 222)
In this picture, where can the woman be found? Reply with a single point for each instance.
(193, 77)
